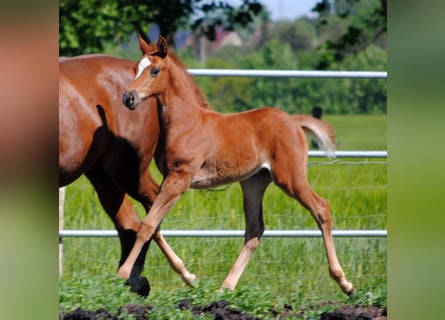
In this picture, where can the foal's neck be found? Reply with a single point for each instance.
(181, 97)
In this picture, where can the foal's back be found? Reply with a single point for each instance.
(227, 148)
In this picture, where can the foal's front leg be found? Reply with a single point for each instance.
(146, 194)
(175, 262)
(172, 188)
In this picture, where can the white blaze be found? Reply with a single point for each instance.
(143, 64)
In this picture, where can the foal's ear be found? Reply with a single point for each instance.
(163, 47)
(145, 47)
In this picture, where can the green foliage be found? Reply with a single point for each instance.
(93, 292)
(217, 89)
(373, 296)
(300, 34)
(364, 23)
(257, 301)
(305, 44)
(335, 96)
(86, 26)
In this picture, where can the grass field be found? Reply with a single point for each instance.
(288, 270)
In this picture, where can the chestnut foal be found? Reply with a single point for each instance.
(200, 148)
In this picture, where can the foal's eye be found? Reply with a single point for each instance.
(155, 71)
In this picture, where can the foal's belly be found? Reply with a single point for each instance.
(215, 175)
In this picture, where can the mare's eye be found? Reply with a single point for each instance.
(155, 71)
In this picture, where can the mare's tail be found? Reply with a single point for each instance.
(321, 130)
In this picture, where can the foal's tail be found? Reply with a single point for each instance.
(321, 130)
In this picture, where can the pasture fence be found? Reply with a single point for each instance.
(288, 73)
(312, 153)
(230, 233)
(61, 212)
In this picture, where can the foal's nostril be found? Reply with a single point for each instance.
(128, 99)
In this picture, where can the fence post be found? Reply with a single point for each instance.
(61, 205)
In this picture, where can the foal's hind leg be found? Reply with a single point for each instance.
(253, 192)
(294, 183)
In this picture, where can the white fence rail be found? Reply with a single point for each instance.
(350, 154)
(288, 73)
(228, 233)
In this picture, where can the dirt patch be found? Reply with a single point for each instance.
(222, 311)
(339, 312)
(101, 314)
(355, 313)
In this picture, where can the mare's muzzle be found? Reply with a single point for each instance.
(131, 99)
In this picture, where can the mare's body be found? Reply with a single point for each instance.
(200, 148)
(112, 147)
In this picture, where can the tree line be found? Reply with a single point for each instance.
(346, 35)
(302, 44)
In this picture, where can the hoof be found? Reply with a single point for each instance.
(352, 292)
(123, 274)
(194, 283)
(347, 288)
(223, 290)
(191, 280)
(139, 285)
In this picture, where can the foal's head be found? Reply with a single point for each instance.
(150, 74)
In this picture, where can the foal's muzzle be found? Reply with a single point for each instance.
(131, 99)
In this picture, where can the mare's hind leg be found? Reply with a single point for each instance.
(253, 192)
(294, 182)
(119, 208)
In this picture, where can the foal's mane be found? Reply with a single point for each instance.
(183, 78)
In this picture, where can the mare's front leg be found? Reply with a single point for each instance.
(126, 221)
(174, 185)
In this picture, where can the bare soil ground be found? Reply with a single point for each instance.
(222, 311)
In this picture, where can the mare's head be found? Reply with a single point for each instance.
(150, 74)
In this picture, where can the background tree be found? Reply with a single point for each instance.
(325, 42)
(86, 25)
(293, 95)
(299, 34)
(365, 24)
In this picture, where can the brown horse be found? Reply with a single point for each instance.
(113, 147)
(201, 148)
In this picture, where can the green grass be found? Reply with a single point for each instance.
(359, 132)
(291, 270)
(107, 292)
